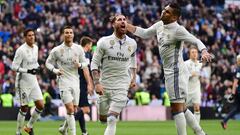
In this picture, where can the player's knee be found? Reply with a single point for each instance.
(196, 108)
(177, 107)
(103, 118)
(24, 108)
(40, 106)
(112, 119)
(86, 110)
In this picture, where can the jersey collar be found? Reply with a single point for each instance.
(171, 25)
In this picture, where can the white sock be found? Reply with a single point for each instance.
(34, 117)
(65, 125)
(111, 125)
(197, 116)
(20, 121)
(71, 124)
(180, 123)
(193, 123)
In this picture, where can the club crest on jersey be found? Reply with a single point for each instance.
(111, 44)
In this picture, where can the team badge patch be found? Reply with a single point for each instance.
(112, 42)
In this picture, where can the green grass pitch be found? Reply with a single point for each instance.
(212, 127)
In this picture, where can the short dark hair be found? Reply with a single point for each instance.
(66, 27)
(193, 47)
(27, 30)
(112, 19)
(176, 9)
(85, 40)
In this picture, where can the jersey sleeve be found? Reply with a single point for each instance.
(51, 60)
(146, 33)
(134, 57)
(183, 35)
(97, 56)
(17, 61)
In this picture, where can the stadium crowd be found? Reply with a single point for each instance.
(216, 25)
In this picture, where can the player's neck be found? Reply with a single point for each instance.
(194, 60)
(29, 44)
(120, 36)
(68, 44)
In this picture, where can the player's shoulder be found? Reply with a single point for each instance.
(158, 24)
(187, 61)
(56, 48)
(75, 45)
(105, 38)
(131, 40)
(21, 48)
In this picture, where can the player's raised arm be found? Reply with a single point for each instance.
(141, 32)
(17, 62)
(183, 35)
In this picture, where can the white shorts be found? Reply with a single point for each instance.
(28, 94)
(112, 100)
(194, 98)
(70, 94)
(177, 86)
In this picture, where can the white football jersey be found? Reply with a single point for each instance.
(170, 39)
(63, 57)
(194, 81)
(116, 57)
(25, 58)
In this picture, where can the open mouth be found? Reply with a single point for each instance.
(123, 26)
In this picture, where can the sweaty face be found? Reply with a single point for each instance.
(167, 15)
(193, 54)
(30, 38)
(120, 24)
(68, 35)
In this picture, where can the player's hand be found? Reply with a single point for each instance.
(76, 64)
(90, 89)
(34, 71)
(132, 84)
(194, 73)
(99, 89)
(206, 57)
(58, 71)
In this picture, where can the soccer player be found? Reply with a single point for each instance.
(86, 85)
(116, 55)
(170, 35)
(25, 63)
(194, 86)
(65, 60)
(235, 95)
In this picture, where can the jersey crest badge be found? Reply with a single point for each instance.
(111, 43)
